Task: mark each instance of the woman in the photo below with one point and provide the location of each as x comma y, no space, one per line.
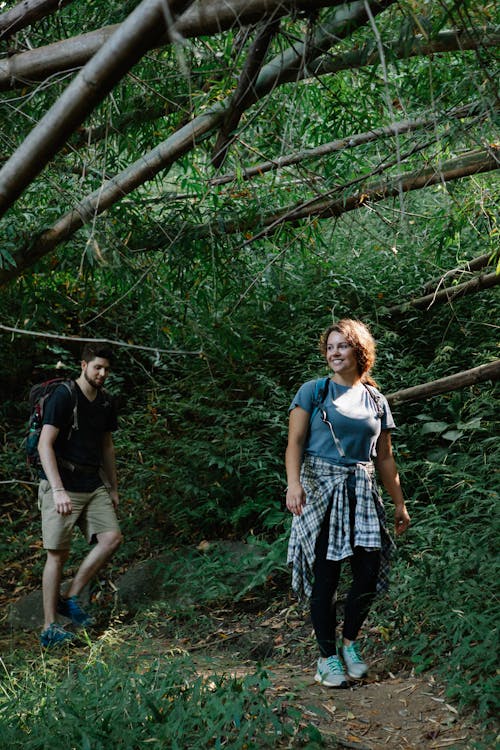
339,432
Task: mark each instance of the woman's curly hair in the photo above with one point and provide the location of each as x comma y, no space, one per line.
359,337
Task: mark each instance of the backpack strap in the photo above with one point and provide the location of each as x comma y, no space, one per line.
376,398
320,393
70,386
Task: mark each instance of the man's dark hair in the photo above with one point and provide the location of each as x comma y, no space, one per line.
93,350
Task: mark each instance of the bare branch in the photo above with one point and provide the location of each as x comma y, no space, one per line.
477,264
79,339
241,95
477,284
26,13
479,374
341,144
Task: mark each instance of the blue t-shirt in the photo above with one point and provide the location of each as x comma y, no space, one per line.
353,415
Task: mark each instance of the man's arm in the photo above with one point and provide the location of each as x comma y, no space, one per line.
47,454
109,467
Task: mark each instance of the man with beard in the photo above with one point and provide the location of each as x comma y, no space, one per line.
78,487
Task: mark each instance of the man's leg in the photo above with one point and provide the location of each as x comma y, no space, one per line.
107,543
51,582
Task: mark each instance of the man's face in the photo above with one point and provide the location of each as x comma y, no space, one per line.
96,371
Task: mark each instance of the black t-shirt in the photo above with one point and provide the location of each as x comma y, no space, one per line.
84,445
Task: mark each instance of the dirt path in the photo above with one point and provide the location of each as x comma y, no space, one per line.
389,709
397,711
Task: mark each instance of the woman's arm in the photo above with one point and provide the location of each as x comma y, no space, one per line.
298,428
388,472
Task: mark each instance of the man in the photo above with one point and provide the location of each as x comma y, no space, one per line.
78,487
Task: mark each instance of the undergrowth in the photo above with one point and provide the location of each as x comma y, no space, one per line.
116,698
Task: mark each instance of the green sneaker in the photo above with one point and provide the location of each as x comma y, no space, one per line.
356,667
54,635
330,672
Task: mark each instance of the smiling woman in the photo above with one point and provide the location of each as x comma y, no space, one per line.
335,443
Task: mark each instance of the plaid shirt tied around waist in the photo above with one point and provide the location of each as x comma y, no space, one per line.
322,482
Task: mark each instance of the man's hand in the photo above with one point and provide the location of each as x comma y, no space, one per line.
62,502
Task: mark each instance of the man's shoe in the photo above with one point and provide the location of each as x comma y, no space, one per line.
356,667
54,635
330,672
71,608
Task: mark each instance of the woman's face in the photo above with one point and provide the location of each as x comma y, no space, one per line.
341,358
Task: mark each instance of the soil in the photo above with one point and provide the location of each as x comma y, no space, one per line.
392,708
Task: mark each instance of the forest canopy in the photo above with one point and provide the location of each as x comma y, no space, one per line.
207,185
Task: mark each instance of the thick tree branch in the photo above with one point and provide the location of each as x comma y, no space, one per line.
479,374
445,41
26,13
477,284
134,37
242,94
203,18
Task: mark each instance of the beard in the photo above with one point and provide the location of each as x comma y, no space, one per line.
97,384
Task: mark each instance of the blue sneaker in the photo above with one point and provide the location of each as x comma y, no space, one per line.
356,667
71,608
330,672
54,635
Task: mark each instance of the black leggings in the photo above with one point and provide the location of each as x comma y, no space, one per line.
364,568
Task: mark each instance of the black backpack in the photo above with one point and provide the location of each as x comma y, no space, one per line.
39,394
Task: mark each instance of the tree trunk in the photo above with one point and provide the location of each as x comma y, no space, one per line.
479,374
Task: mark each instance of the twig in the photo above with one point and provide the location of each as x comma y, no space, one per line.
121,344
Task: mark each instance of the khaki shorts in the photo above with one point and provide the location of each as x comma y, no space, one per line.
93,513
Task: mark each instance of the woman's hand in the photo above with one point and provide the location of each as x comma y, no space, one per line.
295,499
401,519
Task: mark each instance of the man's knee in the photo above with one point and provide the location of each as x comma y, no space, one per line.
57,556
111,540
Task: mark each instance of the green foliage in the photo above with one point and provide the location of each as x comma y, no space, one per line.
108,700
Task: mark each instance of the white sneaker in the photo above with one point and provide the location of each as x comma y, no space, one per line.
356,667
330,672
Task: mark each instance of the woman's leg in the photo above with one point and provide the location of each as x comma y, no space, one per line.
365,566
323,606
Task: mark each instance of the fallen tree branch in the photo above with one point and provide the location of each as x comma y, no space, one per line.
477,284
477,264
479,374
